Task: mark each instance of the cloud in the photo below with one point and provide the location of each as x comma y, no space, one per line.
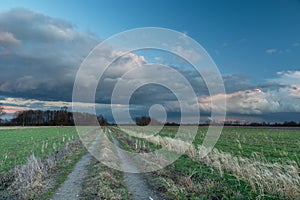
271,51
255,102
288,78
283,98
13,109
31,26
8,39
46,55
35,104
188,54
40,55
49,51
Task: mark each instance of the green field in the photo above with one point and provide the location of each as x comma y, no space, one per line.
272,144
18,144
245,163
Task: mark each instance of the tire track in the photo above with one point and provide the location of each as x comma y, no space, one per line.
135,183
72,186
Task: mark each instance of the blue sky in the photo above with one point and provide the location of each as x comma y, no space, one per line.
253,43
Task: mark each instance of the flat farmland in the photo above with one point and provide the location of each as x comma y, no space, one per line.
246,162
18,144
271,144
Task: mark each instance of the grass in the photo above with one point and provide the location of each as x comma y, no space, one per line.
246,163
64,168
18,144
272,144
104,183
35,161
39,178
187,179
260,158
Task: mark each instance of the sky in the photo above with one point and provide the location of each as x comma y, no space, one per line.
255,45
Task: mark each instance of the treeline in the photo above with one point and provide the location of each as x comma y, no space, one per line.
267,124
253,124
61,117
146,120
284,124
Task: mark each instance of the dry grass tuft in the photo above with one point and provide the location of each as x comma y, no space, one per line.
30,180
267,178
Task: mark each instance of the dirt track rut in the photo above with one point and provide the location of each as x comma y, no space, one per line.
135,183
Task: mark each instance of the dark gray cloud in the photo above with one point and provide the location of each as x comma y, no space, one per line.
40,55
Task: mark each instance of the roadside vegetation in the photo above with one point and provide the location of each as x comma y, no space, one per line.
246,163
19,144
241,175
103,182
186,179
37,160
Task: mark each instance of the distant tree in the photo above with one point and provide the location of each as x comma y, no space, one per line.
290,123
60,117
102,121
63,115
172,124
142,121
1,111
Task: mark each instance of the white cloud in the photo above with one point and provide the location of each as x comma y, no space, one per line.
288,78
38,104
8,39
256,101
243,102
271,51
188,54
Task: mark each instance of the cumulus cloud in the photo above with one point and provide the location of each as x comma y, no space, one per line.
288,78
285,98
